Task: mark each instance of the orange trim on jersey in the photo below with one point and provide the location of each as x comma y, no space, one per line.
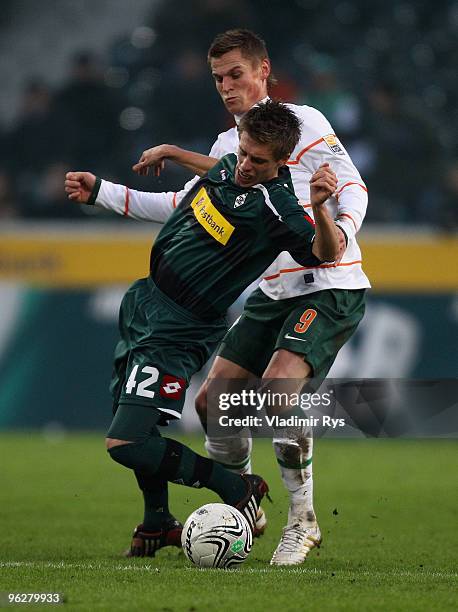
347,185
321,266
349,216
174,201
301,153
306,205
126,202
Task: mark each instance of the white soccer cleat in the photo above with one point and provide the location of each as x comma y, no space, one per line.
295,544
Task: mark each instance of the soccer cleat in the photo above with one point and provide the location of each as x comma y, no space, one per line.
146,543
295,544
257,487
261,523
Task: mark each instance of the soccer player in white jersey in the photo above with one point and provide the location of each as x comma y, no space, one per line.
322,305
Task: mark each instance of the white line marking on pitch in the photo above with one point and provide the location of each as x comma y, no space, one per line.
252,570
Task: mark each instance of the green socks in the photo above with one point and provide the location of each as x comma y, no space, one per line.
169,460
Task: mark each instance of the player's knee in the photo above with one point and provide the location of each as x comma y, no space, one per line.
286,364
120,451
128,454
112,442
228,450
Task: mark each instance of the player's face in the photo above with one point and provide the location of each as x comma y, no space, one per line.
240,82
256,162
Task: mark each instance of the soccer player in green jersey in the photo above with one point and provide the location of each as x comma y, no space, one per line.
233,222
296,321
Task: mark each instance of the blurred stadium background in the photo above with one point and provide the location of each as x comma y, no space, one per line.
88,85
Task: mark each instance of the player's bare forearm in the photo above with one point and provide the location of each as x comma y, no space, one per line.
156,156
323,185
326,243
197,162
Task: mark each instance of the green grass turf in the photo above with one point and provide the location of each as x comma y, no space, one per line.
387,509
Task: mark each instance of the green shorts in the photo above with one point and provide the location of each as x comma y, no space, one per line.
161,347
315,325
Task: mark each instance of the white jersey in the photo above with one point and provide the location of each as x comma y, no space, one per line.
285,277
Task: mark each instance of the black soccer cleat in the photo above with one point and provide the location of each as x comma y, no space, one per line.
146,543
257,487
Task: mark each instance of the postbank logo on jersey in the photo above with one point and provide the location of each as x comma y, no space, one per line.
210,218
334,144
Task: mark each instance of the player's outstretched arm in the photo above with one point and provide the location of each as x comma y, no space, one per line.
322,186
155,157
85,188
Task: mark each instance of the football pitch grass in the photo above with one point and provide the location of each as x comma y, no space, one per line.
387,510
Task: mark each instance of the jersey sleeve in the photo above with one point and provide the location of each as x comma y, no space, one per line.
140,205
289,227
146,205
319,145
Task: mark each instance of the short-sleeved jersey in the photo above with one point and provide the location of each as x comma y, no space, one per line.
222,236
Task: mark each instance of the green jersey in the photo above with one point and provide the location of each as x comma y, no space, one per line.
221,237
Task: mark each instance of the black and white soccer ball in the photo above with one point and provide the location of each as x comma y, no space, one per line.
216,535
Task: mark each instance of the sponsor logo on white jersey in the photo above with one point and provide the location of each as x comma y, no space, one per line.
334,144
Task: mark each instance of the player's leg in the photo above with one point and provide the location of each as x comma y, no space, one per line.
243,354
134,441
232,452
158,522
293,450
152,392
159,527
307,346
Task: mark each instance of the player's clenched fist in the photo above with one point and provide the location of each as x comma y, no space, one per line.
323,185
79,186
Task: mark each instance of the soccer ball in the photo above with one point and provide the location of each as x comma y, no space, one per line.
216,535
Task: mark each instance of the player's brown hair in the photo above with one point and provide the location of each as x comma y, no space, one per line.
251,46
272,123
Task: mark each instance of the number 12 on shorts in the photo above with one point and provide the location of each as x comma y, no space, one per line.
142,388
